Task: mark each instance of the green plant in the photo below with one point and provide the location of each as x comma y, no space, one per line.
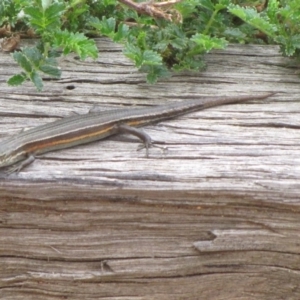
280,22
159,37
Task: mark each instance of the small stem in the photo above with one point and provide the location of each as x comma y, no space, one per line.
212,18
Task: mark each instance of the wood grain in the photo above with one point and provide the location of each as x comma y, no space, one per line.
216,217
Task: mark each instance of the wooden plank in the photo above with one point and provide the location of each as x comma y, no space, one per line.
216,217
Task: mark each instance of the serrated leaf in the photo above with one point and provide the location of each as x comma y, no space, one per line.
272,10
86,48
36,18
251,16
186,8
45,20
20,58
76,42
33,62
122,33
291,44
235,33
51,61
37,80
207,4
95,22
54,11
178,43
161,46
51,70
296,40
132,52
33,12
208,43
151,58
155,72
17,79
152,77
33,55
108,26
224,3
220,6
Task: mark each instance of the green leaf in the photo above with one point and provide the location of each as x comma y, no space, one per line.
76,42
134,53
152,77
33,62
155,72
252,17
54,11
95,22
178,43
154,45
34,14
33,55
272,10
291,44
147,57
235,34
8,12
21,59
207,43
207,4
108,26
190,63
51,70
105,26
186,8
37,80
222,4
122,33
151,58
17,79
45,20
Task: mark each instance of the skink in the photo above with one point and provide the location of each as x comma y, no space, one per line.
19,150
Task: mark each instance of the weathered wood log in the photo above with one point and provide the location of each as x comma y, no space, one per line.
216,217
